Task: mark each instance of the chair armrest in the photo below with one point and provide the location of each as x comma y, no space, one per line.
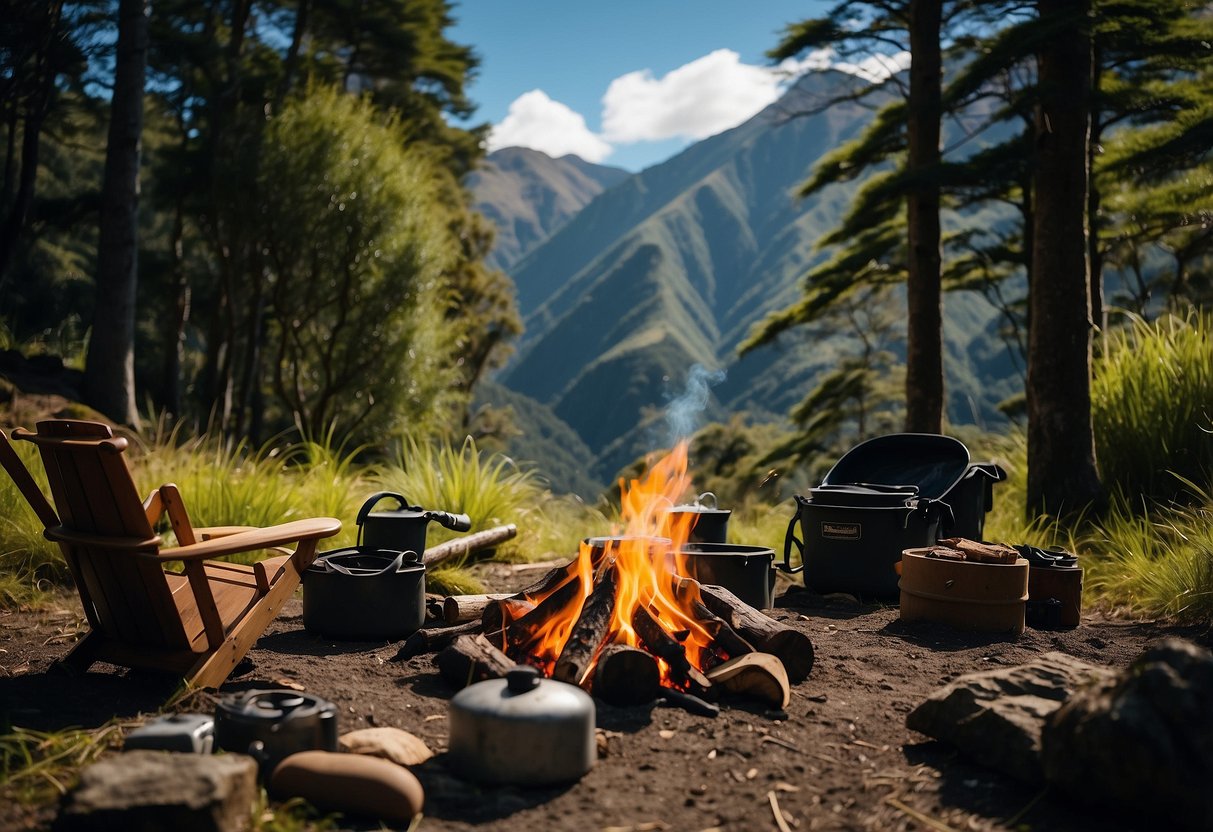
251,541
212,532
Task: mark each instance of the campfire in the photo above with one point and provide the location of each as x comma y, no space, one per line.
623,621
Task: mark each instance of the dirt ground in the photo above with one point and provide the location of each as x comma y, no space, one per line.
840,758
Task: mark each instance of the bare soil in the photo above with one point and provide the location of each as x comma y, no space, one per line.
839,758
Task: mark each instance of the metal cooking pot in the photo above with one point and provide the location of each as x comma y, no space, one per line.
403,529
710,524
746,571
523,730
270,725
365,594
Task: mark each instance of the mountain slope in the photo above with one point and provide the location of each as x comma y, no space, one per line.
674,266
528,195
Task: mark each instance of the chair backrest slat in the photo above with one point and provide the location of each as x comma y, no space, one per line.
95,493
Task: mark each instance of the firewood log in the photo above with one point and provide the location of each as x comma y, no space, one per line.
497,613
471,659
792,647
724,637
466,545
434,638
519,633
759,675
577,656
456,609
626,676
661,644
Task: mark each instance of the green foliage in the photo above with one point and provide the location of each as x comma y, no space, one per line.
356,258
1152,408
37,767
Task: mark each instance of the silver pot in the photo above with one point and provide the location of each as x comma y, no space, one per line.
523,730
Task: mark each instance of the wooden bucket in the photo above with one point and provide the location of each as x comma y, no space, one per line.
990,597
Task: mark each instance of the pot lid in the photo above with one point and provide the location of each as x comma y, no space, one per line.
932,462
700,506
525,696
864,496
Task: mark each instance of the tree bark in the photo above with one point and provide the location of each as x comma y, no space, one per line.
1062,476
924,324
109,375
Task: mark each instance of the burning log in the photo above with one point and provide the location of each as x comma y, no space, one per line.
497,613
466,545
471,659
519,632
626,676
689,703
434,638
792,647
577,656
724,637
662,645
458,609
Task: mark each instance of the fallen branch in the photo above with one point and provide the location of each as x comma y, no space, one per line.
471,659
434,638
466,545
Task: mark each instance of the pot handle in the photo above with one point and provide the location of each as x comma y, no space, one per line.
788,540
370,504
700,500
454,522
391,568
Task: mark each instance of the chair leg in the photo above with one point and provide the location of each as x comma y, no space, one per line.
83,655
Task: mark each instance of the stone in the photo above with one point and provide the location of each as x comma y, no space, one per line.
353,784
145,790
1142,740
401,747
996,716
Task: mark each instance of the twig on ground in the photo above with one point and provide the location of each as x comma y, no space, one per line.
926,820
777,812
1018,816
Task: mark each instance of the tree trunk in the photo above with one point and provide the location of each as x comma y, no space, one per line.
924,325
1062,477
109,376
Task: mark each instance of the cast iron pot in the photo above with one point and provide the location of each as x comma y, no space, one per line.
402,529
523,730
710,524
366,594
271,725
746,571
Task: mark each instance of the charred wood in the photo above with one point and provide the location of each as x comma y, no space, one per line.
434,638
725,640
792,647
471,659
519,633
626,676
689,703
588,633
661,644
498,614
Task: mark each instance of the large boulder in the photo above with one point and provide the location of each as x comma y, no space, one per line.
145,790
1141,740
997,716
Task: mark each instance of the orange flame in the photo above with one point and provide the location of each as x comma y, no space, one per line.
644,552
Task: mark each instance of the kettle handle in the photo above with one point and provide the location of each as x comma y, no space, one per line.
370,504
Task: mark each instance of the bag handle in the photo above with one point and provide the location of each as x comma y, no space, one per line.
789,539
391,568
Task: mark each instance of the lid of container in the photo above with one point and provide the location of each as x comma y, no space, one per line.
524,695
273,706
731,549
932,462
701,506
864,496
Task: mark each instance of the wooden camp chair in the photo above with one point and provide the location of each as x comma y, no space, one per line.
198,623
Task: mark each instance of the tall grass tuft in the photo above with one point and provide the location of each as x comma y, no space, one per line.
1152,408
490,488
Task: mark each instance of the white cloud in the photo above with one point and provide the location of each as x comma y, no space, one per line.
696,100
873,68
538,122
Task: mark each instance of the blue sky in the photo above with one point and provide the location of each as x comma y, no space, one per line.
626,83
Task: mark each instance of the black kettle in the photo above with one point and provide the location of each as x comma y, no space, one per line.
401,529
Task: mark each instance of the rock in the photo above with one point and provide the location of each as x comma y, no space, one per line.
353,784
162,790
997,716
1141,740
393,744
